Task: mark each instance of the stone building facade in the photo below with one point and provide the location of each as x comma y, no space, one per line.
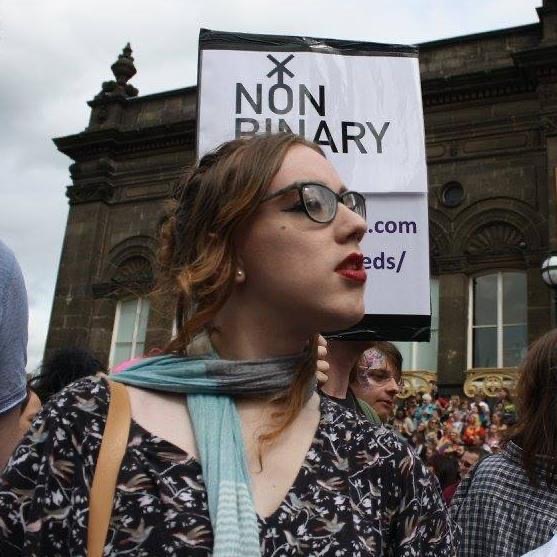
490,105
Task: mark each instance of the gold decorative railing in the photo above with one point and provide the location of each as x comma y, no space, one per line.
488,381
417,381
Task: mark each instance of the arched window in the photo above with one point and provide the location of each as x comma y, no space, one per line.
497,331
130,326
423,355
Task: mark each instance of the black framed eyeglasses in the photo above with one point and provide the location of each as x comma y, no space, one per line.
320,203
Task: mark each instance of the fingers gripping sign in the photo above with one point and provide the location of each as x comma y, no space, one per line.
322,366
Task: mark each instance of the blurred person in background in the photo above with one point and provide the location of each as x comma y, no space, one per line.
63,367
425,410
377,378
343,357
433,431
445,467
449,442
508,407
13,351
418,443
508,505
458,423
409,422
474,433
399,422
466,462
492,442
29,407
479,404
497,422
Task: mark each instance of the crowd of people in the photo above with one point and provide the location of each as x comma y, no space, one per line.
452,434
445,428
224,443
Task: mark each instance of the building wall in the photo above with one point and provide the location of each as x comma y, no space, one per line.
490,105
127,163
486,110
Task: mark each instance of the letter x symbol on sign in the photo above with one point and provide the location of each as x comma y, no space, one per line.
280,67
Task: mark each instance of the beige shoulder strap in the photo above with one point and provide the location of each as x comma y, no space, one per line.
111,453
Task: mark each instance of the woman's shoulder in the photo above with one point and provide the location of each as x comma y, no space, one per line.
359,438
500,471
68,429
377,462
50,470
75,417
86,396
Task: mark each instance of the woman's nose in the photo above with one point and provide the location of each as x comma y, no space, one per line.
356,226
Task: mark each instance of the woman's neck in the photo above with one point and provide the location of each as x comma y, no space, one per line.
241,338
245,347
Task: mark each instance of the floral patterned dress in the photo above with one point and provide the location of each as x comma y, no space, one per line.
360,491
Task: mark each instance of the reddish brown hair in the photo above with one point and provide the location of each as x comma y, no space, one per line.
198,256
536,399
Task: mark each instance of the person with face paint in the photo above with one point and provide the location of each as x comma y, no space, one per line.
377,378
342,359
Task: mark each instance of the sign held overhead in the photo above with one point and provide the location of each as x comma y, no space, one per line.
361,102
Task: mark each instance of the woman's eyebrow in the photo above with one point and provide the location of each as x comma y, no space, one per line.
341,190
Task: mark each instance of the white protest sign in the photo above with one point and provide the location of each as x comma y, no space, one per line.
364,111
362,104
396,249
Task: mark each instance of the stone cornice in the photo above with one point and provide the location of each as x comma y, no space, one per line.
99,191
442,43
112,141
536,56
464,129
182,92
478,86
529,67
471,264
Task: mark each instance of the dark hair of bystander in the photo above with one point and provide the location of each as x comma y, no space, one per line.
536,397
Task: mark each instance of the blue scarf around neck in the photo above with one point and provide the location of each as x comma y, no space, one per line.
211,385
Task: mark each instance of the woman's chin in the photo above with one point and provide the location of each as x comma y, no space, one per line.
355,316
341,321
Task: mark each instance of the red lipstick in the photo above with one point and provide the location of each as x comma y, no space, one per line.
352,268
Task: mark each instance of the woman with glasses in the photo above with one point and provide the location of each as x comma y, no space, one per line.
377,378
231,451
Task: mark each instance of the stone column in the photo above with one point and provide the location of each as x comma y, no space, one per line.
453,319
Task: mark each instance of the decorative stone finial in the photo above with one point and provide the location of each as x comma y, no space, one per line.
123,70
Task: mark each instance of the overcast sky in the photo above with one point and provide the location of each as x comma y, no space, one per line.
54,55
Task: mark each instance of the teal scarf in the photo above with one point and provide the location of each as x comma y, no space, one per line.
211,384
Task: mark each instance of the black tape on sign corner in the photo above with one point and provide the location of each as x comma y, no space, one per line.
400,328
